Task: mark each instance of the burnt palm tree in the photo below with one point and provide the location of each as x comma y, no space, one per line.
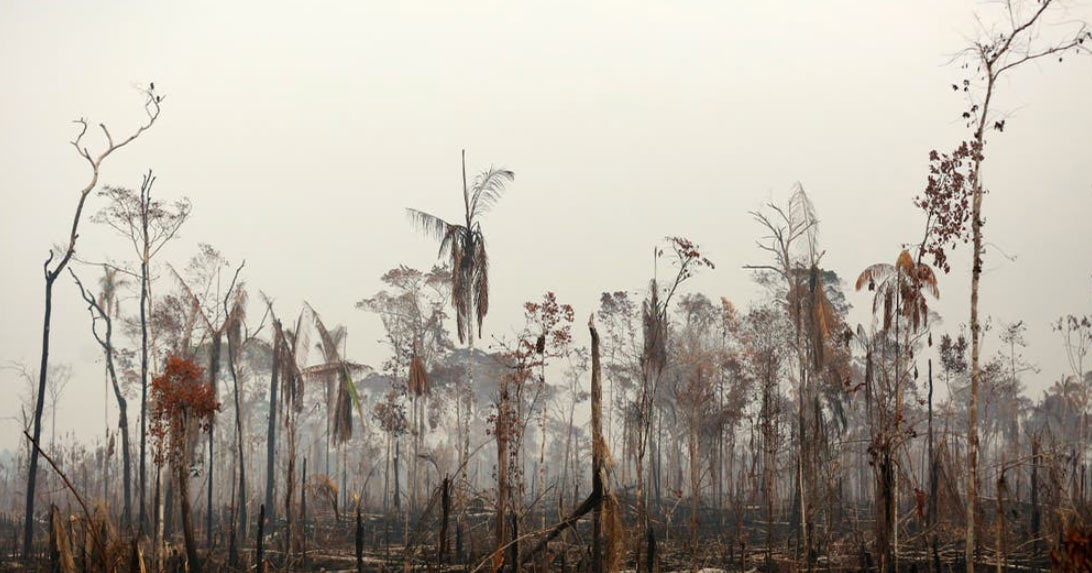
899,289
340,398
900,294
464,245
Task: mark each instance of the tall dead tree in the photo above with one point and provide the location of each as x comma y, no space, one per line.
654,360
464,245
207,267
235,314
271,429
105,340
148,224
1021,40
785,228
994,58
152,109
598,448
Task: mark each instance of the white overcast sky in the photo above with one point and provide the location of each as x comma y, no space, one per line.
301,132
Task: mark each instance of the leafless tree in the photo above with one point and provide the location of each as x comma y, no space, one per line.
148,224
152,103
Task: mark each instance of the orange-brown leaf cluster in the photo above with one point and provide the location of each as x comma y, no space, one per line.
181,400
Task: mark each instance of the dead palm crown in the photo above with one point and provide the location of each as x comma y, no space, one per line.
346,397
899,288
464,245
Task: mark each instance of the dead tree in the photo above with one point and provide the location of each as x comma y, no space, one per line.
599,497
1021,41
598,447
106,342
271,431
234,313
260,559
152,108
148,224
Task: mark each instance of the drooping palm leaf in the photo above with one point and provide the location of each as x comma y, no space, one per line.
418,378
330,368
346,390
429,224
481,281
873,275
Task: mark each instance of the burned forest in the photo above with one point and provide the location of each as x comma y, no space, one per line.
657,287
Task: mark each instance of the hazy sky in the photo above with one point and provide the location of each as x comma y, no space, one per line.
301,131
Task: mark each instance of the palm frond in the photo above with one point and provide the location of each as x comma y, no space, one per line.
905,263
887,306
329,346
873,274
460,282
429,224
802,214
452,241
488,188
927,280
481,282
328,368
343,412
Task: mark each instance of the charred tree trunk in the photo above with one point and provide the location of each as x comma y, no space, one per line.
214,370
303,512
260,558
291,544
32,475
1036,515
397,481
359,541
50,275
598,447
445,502
241,522
106,342
501,433
271,432
143,379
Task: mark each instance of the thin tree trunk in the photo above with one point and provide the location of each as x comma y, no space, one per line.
152,106
934,488
214,371
694,489
271,432
501,433
303,512
468,396
106,342
976,334
445,502
143,376
241,523
397,481
359,539
187,518
999,518
260,559
292,539
32,474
